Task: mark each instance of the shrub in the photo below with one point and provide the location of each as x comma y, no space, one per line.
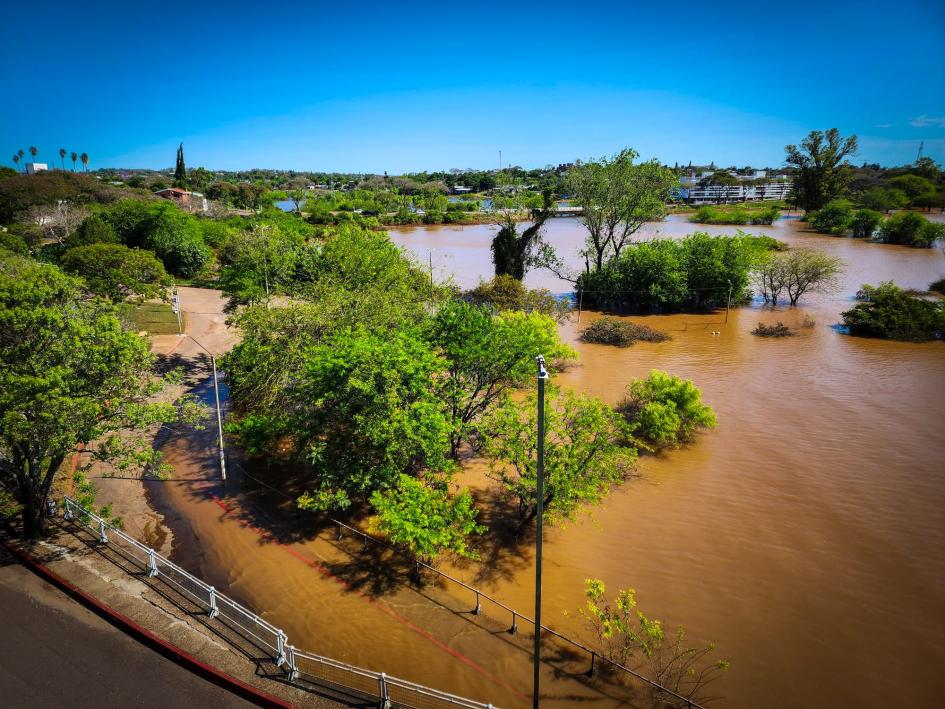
911,229
864,223
779,329
94,230
507,293
13,242
611,331
834,218
664,409
891,313
115,271
938,286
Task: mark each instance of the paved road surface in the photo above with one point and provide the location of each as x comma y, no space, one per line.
56,653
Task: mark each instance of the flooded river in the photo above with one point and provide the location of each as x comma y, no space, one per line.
805,535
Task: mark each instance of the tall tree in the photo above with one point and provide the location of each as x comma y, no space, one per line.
33,152
21,154
73,156
72,376
618,196
820,172
180,171
84,157
16,160
62,157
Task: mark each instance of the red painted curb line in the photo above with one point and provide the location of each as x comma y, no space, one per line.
146,637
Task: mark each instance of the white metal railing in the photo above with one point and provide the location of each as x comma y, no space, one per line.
298,665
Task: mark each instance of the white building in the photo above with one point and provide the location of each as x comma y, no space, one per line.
755,187
33,167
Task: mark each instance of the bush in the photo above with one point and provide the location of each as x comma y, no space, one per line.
911,229
834,218
891,313
14,243
664,409
611,331
737,214
94,230
779,329
938,286
507,293
864,223
115,271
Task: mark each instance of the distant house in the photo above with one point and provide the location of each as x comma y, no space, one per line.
33,167
188,200
461,189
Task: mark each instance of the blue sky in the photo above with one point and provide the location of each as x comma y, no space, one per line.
369,87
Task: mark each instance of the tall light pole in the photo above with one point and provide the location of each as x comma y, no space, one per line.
216,395
540,508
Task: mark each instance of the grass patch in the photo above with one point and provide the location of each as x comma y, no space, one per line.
779,329
155,318
611,331
737,214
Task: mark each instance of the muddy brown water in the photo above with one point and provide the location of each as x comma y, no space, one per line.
805,535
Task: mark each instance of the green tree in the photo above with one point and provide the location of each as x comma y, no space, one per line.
84,158
487,355
893,314
508,293
365,412
664,409
259,263
423,517
820,173
883,199
627,636
62,157
71,377
115,271
180,170
73,156
587,451
94,230
513,253
864,223
911,185
833,218
618,196
719,182
199,179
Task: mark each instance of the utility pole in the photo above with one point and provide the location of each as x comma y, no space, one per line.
216,396
539,504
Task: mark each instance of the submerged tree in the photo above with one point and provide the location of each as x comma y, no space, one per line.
513,253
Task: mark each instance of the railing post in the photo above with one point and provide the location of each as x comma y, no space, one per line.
280,649
514,628
101,531
213,611
385,698
67,507
293,672
478,609
590,672
339,532
152,563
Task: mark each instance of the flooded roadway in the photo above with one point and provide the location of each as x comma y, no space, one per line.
804,535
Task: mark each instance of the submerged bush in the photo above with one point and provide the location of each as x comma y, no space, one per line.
611,331
911,229
938,286
834,218
864,223
779,329
664,409
893,314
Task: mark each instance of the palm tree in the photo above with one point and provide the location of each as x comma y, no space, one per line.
16,160
74,156
84,157
33,151
62,157
21,154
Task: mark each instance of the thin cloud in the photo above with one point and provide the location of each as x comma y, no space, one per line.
925,121
885,125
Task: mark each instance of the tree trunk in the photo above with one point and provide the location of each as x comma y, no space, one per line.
34,516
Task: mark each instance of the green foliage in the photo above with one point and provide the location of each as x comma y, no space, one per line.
180,170
13,243
423,517
621,333
487,355
796,272
628,636
938,286
668,274
587,451
258,264
820,173
19,193
737,214
115,271
508,293
834,218
72,375
618,197
94,230
883,199
664,409
365,413
864,223
893,314
911,185
911,229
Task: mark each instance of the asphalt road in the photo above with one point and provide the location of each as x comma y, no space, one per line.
56,653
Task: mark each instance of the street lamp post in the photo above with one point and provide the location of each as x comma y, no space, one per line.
216,395
539,507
